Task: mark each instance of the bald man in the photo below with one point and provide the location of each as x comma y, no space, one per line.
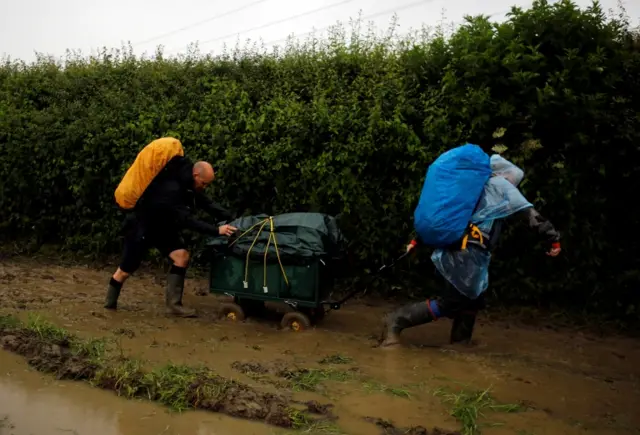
163,211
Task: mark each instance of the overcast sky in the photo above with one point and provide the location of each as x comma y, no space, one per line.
52,26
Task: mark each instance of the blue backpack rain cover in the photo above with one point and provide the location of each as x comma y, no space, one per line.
450,193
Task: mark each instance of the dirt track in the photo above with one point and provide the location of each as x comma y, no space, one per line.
564,382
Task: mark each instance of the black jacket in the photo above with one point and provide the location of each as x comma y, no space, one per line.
170,201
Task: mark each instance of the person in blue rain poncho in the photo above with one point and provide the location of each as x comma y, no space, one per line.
467,270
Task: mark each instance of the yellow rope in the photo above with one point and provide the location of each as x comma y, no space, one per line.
248,231
275,243
266,251
272,235
246,265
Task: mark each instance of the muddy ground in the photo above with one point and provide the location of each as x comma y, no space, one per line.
540,380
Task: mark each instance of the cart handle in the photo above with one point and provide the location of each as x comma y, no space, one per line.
335,305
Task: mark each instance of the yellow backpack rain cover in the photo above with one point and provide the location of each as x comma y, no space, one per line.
150,161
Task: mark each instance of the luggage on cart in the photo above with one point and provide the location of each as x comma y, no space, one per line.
289,258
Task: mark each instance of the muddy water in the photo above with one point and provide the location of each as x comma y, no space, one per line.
32,404
572,383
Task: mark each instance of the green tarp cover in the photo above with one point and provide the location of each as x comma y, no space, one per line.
299,236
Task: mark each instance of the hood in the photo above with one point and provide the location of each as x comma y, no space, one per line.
504,168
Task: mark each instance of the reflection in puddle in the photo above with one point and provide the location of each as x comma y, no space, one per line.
32,404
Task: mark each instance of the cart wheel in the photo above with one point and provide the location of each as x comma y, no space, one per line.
231,311
296,321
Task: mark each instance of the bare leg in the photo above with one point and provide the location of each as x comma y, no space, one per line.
121,276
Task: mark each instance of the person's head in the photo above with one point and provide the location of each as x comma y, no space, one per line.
504,168
203,175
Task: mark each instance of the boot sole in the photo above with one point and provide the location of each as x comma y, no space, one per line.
389,345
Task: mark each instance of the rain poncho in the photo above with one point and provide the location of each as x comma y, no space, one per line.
468,270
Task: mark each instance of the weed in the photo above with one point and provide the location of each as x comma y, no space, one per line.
305,424
92,349
171,385
468,406
46,330
123,377
377,387
322,427
299,419
309,379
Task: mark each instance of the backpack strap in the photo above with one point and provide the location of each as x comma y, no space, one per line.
474,235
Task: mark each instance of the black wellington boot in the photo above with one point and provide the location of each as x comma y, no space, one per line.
113,293
462,328
173,297
410,315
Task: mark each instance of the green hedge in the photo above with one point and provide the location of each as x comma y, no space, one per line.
349,129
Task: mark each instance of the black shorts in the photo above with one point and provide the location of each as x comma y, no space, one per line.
138,239
452,302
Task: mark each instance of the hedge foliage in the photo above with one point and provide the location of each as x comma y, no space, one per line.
348,126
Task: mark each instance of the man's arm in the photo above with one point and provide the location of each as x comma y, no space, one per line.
186,220
215,210
543,227
538,223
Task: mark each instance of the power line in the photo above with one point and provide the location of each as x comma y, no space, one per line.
366,17
293,17
199,23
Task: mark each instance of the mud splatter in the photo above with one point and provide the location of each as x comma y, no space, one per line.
388,428
336,359
5,423
296,378
124,331
318,408
250,367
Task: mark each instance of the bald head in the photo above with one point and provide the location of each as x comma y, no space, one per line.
203,175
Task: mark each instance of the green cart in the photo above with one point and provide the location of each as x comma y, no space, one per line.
288,259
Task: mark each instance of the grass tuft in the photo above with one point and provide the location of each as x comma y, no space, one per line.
309,379
46,330
377,387
122,377
93,349
302,423
468,406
